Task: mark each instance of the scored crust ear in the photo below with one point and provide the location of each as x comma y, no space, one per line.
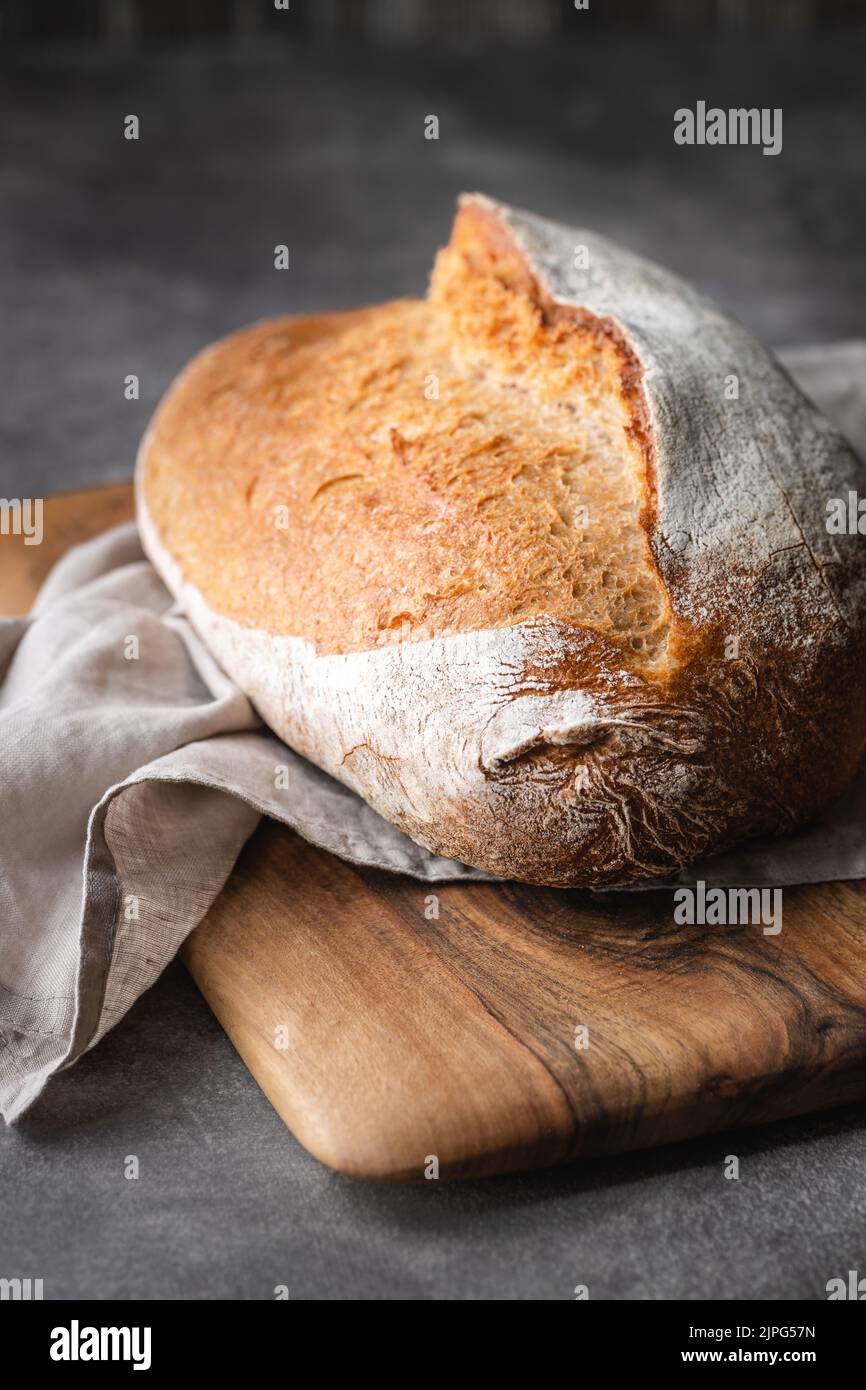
483,237
565,360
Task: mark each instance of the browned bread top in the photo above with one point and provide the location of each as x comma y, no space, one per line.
422,467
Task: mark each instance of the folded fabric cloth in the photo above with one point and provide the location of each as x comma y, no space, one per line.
132,771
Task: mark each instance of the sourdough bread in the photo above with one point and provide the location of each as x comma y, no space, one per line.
518,564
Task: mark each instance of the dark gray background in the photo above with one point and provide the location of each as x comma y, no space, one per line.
120,257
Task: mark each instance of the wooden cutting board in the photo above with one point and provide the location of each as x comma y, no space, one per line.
494,1028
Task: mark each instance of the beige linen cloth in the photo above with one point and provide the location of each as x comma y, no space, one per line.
128,786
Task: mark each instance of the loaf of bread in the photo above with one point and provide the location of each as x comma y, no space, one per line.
538,565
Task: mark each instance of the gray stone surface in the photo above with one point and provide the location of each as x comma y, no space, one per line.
118,257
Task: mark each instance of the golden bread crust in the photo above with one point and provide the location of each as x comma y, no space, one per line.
418,468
